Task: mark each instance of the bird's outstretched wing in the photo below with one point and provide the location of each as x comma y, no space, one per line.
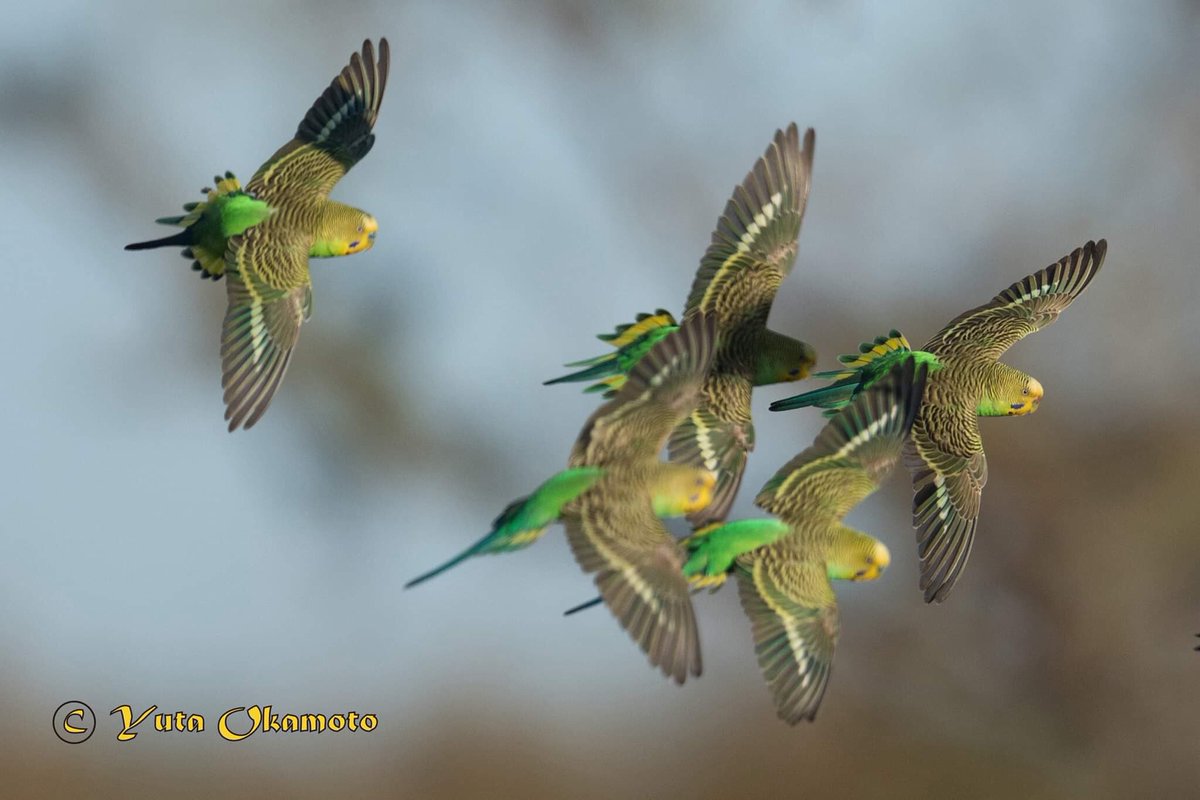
945,457
612,529
794,614
754,244
333,136
269,297
753,248
852,453
1028,305
662,388
638,567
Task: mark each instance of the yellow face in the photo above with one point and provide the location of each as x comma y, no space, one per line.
682,490
700,492
873,564
863,563
364,236
793,372
1027,402
786,361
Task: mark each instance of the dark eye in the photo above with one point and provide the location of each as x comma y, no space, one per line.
794,372
1025,390
360,228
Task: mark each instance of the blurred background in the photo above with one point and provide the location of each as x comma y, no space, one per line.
542,172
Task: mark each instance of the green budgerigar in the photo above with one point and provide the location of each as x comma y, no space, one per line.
753,248
784,567
614,493
967,381
262,236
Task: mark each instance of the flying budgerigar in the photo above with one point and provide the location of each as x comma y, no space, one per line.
752,250
262,236
614,492
967,381
784,567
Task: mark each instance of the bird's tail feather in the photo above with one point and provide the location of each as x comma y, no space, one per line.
507,534
525,520
859,371
602,367
828,397
693,586
630,332
632,341
433,573
181,239
595,601
207,257
869,352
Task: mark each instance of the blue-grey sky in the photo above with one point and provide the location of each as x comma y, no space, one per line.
542,172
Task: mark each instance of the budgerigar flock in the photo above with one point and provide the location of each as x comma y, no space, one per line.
614,492
753,249
683,385
784,566
945,452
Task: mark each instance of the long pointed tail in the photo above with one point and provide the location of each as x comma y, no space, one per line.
694,585
502,538
607,365
433,573
181,239
701,569
873,360
829,397
525,519
632,341
595,601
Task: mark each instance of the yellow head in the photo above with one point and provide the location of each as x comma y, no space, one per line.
1008,392
782,359
1027,401
680,489
344,231
858,557
363,236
